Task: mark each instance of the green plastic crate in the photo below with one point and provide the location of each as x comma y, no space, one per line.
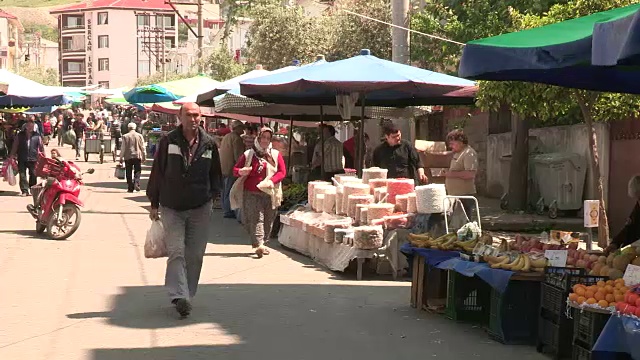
468,298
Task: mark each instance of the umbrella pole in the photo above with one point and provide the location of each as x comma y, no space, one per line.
289,164
322,174
261,122
360,143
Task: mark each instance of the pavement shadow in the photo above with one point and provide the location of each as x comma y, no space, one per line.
307,322
30,234
9,193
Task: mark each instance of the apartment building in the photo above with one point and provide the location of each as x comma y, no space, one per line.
114,42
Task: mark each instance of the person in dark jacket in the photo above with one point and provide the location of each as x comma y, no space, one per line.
184,180
26,146
630,233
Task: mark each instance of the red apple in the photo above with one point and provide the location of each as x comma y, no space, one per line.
593,258
633,299
638,303
581,264
638,311
546,247
571,261
621,306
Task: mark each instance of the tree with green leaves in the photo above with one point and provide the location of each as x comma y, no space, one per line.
159,77
280,35
40,74
542,102
221,66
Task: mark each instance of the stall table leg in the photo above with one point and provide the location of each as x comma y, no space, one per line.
360,264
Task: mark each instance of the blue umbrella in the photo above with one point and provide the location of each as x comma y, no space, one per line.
41,110
379,82
149,94
595,52
17,101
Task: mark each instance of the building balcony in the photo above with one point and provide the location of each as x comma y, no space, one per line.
72,29
71,50
69,75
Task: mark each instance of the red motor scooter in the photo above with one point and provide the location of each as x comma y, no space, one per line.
56,204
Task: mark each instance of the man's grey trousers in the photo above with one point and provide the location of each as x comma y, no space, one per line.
186,236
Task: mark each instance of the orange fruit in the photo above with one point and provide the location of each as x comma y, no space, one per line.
608,289
601,283
581,299
624,289
600,295
609,282
610,298
573,297
580,291
612,304
576,286
603,303
619,298
619,285
591,301
593,288
589,294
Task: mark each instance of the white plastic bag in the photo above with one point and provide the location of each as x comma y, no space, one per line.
154,245
120,172
10,176
469,231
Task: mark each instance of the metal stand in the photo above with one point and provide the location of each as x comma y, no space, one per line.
452,204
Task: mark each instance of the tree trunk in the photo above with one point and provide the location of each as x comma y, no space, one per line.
519,168
603,225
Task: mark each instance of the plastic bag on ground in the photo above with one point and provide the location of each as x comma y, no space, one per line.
154,245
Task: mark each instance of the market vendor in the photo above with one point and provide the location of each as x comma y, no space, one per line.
398,156
461,176
333,155
631,231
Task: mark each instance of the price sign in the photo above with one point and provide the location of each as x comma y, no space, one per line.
591,213
632,275
557,257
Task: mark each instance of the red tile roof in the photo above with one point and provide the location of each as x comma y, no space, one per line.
6,15
114,4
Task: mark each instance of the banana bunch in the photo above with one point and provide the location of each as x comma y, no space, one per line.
467,246
420,240
446,242
521,263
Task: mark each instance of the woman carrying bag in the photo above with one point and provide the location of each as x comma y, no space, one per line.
258,190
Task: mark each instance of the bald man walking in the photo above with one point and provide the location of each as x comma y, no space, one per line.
184,180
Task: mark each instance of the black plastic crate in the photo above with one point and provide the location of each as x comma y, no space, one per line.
468,298
557,276
582,353
553,299
587,326
554,337
513,318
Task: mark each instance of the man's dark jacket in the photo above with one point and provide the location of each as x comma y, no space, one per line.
179,185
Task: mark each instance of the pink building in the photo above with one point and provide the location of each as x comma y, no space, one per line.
114,42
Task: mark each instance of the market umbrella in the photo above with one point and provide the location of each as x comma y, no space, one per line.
17,101
592,52
377,81
149,94
206,98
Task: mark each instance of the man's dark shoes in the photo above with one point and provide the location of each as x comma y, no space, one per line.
183,307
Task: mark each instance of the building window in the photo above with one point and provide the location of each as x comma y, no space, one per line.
74,67
103,41
73,43
71,22
143,20
104,84
166,21
103,18
103,64
169,43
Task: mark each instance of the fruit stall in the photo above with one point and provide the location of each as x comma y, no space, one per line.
545,291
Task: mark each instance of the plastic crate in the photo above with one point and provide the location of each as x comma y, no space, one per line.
587,326
582,353
554,338
513,317
554,294
468,298
46,167
553,299
557,276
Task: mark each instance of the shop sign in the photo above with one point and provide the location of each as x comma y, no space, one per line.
89,56
557,258
632,275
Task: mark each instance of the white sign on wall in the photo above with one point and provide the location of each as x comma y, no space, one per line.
591,213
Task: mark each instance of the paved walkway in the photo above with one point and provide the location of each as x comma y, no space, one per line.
95,297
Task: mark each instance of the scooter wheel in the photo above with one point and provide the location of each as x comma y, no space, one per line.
40,228
60,230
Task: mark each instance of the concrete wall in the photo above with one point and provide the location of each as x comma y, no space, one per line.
573,138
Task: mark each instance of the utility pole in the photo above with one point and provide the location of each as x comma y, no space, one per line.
400,37
200,35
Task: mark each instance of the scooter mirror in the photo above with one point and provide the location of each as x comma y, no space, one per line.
91,171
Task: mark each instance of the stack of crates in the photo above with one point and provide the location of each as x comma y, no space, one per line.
555,326
513,318
468,298
587,326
